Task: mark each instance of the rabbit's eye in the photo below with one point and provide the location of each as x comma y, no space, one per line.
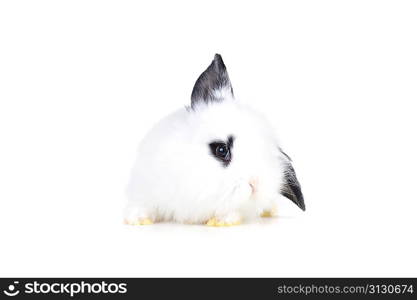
222,150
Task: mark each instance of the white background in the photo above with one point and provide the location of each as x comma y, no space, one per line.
82,81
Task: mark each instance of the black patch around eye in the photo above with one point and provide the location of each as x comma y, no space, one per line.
222,151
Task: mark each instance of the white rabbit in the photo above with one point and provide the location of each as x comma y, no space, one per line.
216,162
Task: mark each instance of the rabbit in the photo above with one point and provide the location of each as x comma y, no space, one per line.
216,162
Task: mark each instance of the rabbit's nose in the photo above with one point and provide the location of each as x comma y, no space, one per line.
254,182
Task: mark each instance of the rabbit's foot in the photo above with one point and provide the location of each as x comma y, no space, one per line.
230,220
141,221
137,215
269,213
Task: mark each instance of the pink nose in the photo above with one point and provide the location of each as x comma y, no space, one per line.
253,182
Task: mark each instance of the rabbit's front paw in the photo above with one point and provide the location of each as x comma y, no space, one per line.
136,215
142,221
229,220
269,213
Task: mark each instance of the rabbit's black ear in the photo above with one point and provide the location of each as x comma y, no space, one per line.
213,84
292,188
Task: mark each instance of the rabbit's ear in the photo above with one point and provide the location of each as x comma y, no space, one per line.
213,84
292,188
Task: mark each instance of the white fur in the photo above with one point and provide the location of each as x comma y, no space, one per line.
175,177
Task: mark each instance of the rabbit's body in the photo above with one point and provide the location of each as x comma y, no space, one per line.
183,173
